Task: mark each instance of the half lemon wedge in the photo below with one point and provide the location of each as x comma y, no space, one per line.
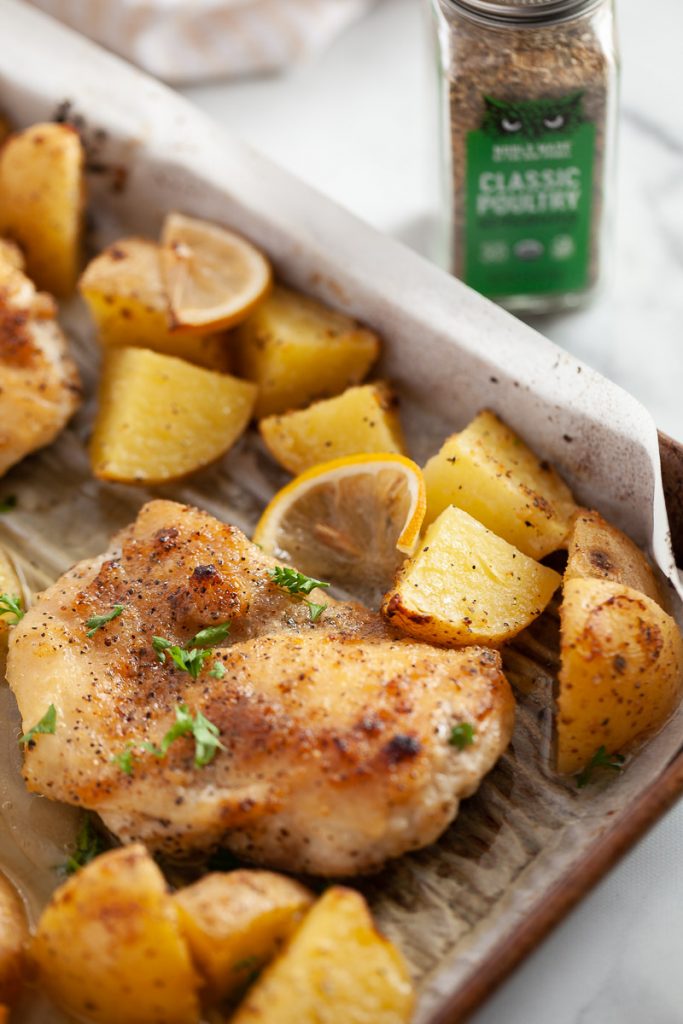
213,277
350,522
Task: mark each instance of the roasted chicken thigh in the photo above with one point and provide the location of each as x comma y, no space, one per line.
336,735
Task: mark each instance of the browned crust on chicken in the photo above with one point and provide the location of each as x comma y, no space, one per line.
39,384
336,733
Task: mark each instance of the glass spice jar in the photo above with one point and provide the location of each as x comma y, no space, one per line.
528,94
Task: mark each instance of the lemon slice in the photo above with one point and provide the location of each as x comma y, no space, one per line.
213,278
349,522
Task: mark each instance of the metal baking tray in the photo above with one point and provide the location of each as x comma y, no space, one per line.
527,846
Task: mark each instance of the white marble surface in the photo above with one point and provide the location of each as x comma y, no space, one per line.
355,124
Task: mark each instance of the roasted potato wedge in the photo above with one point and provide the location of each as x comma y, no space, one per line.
337,969
108,946
362,419
125,293
622,669
488,471
42,189
235,923
13,938
597,550
297,350
465,585
161,418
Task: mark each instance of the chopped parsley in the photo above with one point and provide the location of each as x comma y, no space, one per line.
191,662
11,605
218,670
600,759
89,844
8,503
187,661
211,636
205,733
192,656
462,735
124,760
47,725
206,741
315,610
97,621
161,646
297,583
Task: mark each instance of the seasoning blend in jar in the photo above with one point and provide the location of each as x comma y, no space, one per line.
528,94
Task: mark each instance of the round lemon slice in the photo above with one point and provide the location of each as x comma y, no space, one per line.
349,522
213,277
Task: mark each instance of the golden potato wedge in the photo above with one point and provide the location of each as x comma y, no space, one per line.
597,550
235,923
108,946
465,585
337,969
488,471
297,350
124,290
622,669
13,938
42,198
161,418
361,419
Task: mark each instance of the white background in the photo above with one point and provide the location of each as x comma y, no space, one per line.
357,123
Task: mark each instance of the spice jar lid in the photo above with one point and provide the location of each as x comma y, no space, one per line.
524,11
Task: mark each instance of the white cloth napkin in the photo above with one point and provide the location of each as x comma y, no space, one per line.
190,40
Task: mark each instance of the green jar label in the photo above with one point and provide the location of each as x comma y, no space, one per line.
529,198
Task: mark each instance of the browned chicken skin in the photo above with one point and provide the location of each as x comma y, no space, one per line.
39,382
336,733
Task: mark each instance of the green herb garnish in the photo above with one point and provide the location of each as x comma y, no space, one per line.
89,844
191,662
11,605
124,760
47,725
97,621
205,733
295,582
211,636
218,670
462,735
600,759
206,741
8,503
186,724
192,656
161,646
315,610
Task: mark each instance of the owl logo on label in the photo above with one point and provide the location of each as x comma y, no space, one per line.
533,119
